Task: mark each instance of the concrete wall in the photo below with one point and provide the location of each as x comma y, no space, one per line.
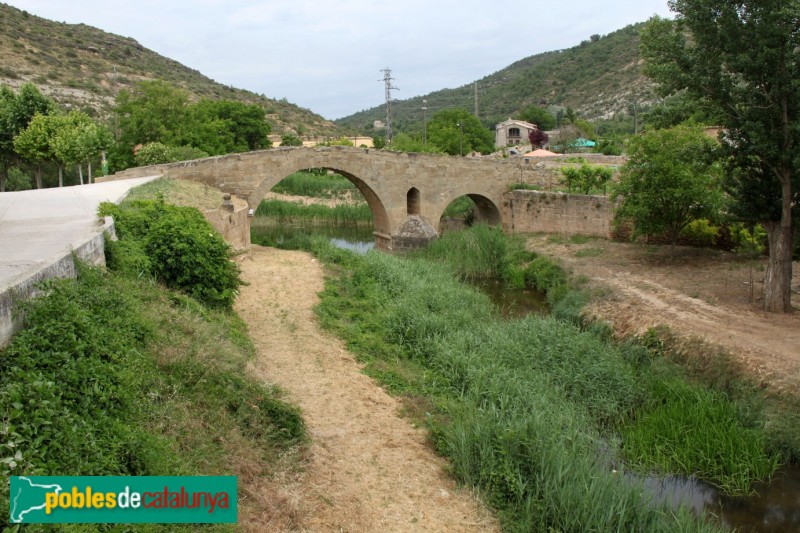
92,251
555,212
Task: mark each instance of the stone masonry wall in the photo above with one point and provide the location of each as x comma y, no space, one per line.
555,212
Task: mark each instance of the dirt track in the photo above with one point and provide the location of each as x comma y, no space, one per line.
696,292
367,469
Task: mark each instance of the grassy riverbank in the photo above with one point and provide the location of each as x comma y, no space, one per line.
542,415
282,211
318,185
114,374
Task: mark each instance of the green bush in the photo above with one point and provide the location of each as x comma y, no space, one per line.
177,246
748,241
154,153
188,254
701,232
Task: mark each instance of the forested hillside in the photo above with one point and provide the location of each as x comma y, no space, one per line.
597,78
84,68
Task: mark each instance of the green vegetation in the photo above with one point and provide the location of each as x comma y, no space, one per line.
100,64
536,412
156,153
288,211
741,61
461,207
155,111
458,132
587,179
175,245
596,78
113,374
672,178
318,184
289,139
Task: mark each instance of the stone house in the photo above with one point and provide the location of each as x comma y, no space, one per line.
512,132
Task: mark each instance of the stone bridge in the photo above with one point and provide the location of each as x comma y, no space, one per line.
406,192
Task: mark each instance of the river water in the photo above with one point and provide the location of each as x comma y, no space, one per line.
774,508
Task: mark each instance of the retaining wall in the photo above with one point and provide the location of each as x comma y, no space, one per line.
556,212
91,250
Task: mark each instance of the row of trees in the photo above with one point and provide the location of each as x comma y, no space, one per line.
157,112
154,123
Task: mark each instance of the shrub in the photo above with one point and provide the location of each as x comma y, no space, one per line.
291,140
154,153
188,254
701,232
177,246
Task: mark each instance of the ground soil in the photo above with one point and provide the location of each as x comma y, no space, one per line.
698,293
366,468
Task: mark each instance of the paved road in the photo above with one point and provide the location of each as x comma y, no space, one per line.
40,224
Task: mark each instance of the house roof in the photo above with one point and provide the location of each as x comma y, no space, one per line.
513,122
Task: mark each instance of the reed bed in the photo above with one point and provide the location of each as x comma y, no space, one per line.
318,185
290,211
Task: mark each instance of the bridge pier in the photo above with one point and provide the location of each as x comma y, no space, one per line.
416,232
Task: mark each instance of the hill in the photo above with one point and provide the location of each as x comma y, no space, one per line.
598,78
84,67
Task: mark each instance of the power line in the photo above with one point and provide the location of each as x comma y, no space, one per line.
387,82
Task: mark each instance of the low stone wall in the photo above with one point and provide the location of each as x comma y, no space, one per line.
92,251
556,212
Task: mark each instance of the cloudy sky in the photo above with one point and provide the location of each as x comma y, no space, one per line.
326,55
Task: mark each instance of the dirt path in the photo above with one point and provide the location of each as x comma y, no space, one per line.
367,469
696,292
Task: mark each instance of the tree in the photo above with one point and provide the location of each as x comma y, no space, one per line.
16,112
457,132
537,137
539,116
586,178
34,143
226,126
153,111
671,178
403,142
291,140
742,57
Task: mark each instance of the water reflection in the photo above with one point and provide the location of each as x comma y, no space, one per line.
775,507
513,303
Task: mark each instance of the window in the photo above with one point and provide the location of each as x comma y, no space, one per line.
412,201
513,132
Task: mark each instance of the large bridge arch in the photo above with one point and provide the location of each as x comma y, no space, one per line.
379,216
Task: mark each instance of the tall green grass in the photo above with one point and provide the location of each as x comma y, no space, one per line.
538,412
317,185
288,211
689,429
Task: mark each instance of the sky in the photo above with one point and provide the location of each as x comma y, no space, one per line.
327,55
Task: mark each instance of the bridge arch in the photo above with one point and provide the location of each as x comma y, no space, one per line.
486,210
380,217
